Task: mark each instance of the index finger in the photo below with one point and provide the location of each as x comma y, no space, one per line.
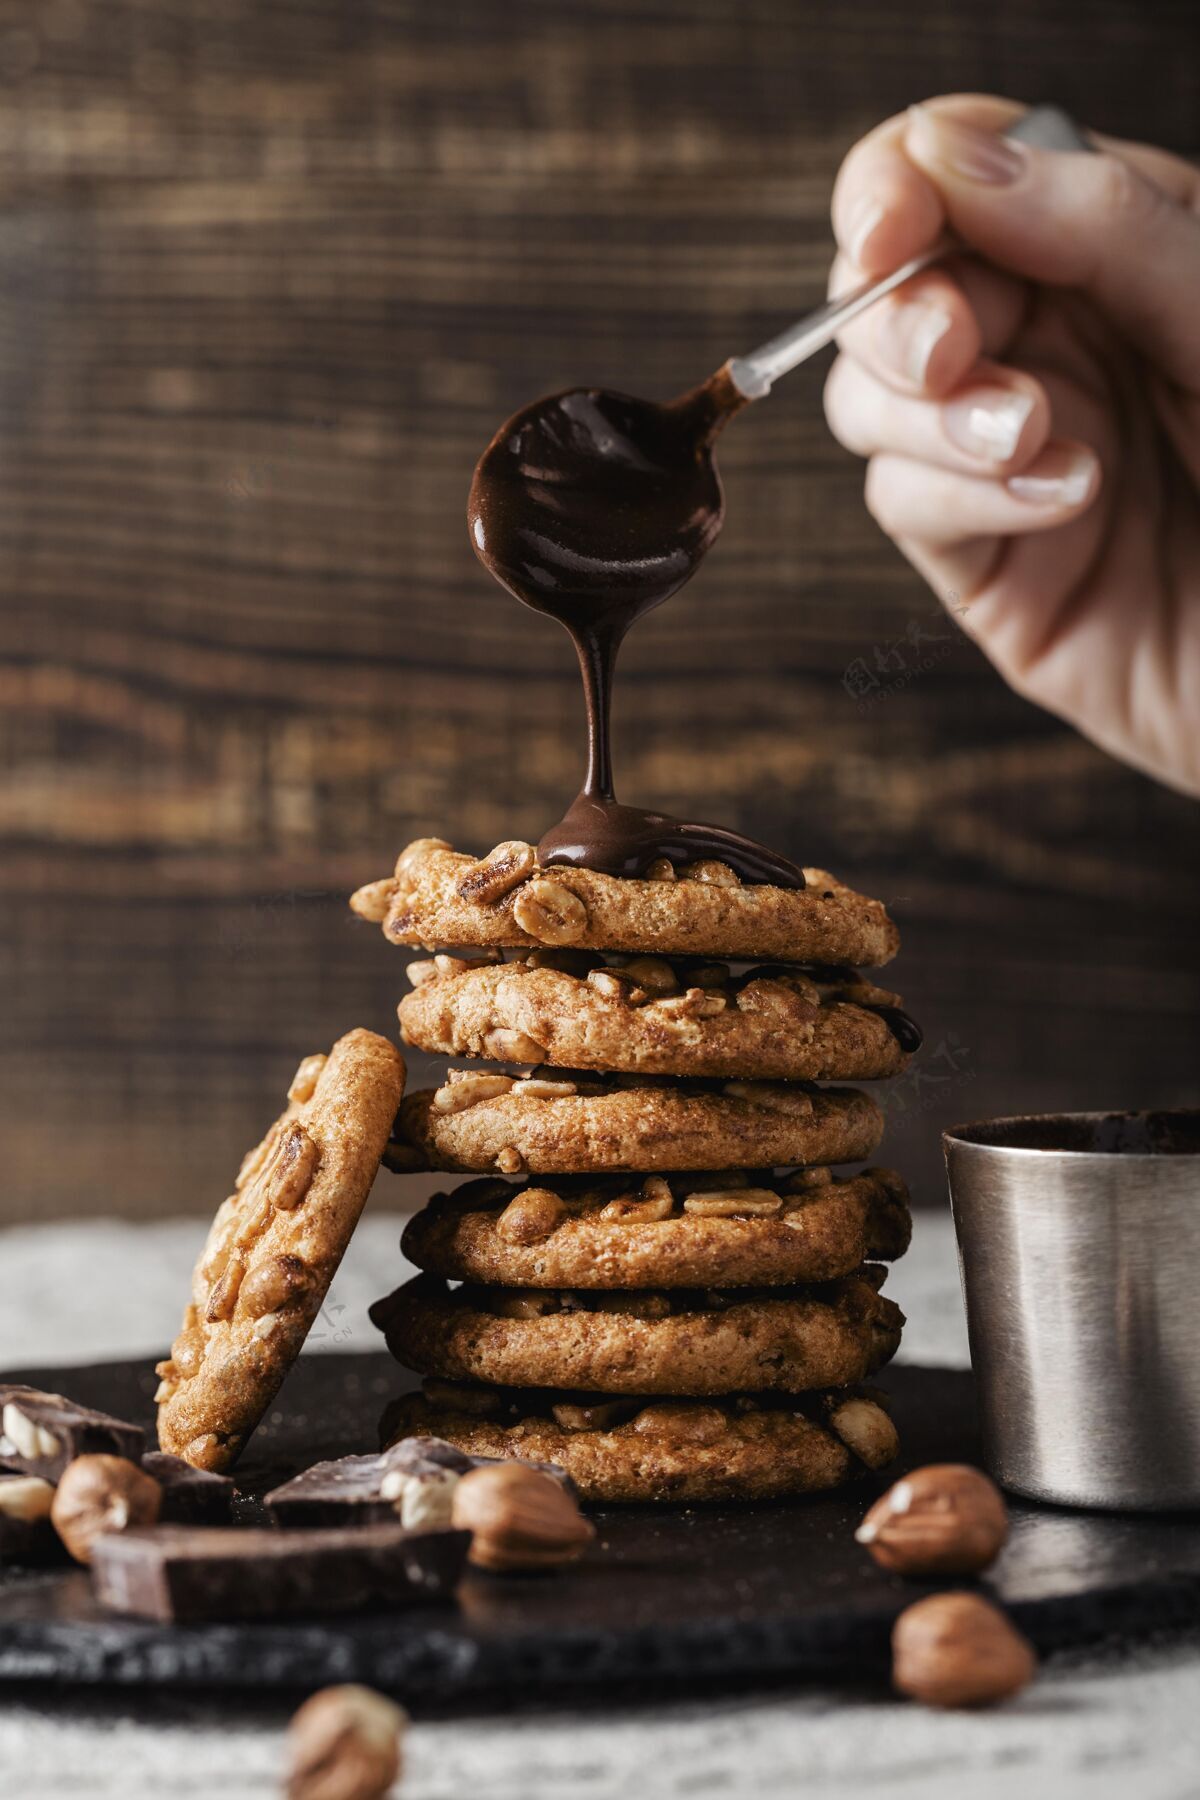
885,209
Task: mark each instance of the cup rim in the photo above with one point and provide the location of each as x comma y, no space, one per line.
982,1134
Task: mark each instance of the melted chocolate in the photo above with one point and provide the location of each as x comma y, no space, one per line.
595,507
903,1028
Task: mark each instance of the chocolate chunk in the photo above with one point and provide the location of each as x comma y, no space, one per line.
41,1433
411,1481
190,1496
183,1572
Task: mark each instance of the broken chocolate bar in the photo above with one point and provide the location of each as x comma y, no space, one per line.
189,1496
413,1481
184,1573
41,1433
25,1529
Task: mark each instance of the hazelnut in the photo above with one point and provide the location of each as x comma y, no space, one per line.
945,1519
99,1494
344,1744
959,1650
519,1519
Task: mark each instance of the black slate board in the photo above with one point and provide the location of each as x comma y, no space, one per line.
743,1594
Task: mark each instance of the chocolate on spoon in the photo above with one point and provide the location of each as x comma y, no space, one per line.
594,507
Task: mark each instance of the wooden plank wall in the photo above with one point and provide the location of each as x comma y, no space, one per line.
271,271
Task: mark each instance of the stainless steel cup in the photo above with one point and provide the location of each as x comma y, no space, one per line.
1079,1245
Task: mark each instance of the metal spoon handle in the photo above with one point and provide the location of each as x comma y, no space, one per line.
1045,127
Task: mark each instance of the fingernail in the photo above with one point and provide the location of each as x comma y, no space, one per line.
909,333
864,217
988,421
1062,476
961,150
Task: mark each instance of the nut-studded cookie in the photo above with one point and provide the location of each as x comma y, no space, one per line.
274,1247
727,1229
560,1123
437,896
738,1448
575,1009
677,1341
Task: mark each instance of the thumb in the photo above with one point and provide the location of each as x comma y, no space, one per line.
1077,220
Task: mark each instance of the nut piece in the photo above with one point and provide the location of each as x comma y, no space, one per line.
531,1217
25,1497
27,1437
550,913
539,1088
500,871
944,1519
753,1203
661,869
272,1284
99,1494
304,1081
513,1046
865,1429
718,874
374,901
959,1650
771,1096
465,1089
344,1744
422,1498
520,1519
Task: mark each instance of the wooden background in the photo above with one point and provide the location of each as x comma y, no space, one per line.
271,272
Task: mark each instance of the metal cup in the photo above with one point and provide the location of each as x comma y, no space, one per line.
1079,1246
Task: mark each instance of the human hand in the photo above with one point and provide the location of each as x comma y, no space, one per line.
1032,413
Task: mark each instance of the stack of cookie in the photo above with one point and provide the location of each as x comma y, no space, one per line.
661,1285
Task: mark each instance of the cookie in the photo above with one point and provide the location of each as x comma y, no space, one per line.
572,1009
438,896
273,1249
738,1448
730,1229
683,1341
483,1122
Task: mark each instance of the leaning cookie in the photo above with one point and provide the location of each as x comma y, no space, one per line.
480,1123
684,1341
571,1009
437,896
739,1448
727,1229
274,1247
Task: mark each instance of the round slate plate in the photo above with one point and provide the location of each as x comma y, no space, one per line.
671,1594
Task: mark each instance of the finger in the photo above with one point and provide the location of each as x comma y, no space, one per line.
885,210
928,335
922,339
932,506
995,424
1086,221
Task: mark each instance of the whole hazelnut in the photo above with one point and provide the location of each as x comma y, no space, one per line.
944,1519
519,1519
344,1744
99,1494
959,1650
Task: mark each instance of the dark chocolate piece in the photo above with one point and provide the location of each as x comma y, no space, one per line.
595,507
190,1496
412,1481
185,1572
41,1433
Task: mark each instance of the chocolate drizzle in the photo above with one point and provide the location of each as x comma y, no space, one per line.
903,1028
595,507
